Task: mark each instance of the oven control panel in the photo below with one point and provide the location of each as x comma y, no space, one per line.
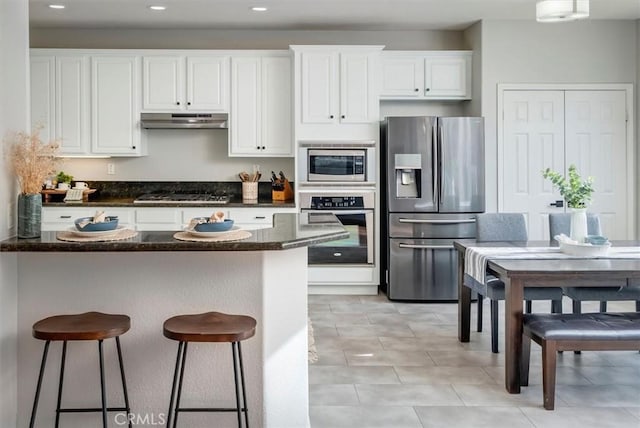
337,202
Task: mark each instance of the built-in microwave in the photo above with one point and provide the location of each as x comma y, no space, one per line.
337,162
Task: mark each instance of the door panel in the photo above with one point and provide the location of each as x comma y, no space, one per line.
533,140
596,144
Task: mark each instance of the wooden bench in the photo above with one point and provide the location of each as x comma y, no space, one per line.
574,332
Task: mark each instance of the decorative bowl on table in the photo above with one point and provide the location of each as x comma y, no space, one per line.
585,250
86,224
205,225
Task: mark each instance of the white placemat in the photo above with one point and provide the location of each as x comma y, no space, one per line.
233,235
475,258
117,235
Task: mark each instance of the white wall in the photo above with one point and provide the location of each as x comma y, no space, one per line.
238,39
14,43
202,155
529,52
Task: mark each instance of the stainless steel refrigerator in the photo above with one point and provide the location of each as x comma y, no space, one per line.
433,184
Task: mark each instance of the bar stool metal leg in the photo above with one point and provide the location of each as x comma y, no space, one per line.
37,397
124,381
62,361
235,378
184,357
103,391
244,389
173,384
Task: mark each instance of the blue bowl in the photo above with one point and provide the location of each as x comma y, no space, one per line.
596,240
214,227
110,223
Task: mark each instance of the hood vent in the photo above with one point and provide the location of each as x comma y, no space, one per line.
184,120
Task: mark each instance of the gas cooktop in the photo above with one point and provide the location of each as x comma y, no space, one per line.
181,198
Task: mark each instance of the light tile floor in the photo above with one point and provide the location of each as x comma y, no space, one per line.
385,364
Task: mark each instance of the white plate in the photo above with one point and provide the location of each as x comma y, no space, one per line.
210,234
96,234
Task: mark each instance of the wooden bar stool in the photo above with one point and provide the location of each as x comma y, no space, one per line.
209,327
87,326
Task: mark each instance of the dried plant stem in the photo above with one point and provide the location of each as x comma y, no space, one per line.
31,160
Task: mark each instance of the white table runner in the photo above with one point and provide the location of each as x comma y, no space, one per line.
475,258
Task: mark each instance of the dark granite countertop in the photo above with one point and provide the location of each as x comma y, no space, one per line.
128,202
289,231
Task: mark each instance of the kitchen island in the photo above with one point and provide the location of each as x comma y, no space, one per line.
152,277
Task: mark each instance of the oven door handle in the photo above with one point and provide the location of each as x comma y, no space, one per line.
337,212
427,247
415,220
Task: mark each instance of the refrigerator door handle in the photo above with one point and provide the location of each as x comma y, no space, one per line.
414,220
427,247
438,142
435,167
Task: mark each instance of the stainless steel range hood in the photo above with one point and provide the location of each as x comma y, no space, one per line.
184,120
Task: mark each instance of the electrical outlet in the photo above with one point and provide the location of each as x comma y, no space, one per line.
111,168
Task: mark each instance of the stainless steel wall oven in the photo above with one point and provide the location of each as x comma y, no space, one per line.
355,210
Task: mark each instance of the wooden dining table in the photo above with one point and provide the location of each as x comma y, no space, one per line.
519,273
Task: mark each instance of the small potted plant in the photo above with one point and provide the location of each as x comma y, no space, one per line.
64,178
577,193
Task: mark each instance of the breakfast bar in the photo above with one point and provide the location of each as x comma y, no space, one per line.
151,277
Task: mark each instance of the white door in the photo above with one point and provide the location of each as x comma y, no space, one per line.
207,83
446,77
319,87
245,115
556,129
402,76
595,138
533,139
355,88
163,83
276,106
72,104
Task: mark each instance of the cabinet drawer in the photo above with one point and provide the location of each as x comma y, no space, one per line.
256,217
158,215
189,213
68,215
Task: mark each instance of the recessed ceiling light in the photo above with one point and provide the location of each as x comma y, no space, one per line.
56,6
259,9
157,7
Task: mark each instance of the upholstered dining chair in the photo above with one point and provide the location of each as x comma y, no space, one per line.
505,227
561,223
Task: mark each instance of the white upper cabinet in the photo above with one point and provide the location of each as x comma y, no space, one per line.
60,101
336,91
438,75
179,83
115,105
260,106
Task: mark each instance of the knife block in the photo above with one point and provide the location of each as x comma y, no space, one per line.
282,195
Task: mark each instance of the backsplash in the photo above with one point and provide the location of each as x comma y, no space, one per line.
129,189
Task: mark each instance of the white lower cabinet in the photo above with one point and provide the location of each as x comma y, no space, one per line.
158,219
256,218
63,218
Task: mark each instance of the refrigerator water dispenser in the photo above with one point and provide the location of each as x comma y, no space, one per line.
408,168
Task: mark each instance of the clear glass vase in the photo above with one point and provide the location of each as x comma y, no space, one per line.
29,215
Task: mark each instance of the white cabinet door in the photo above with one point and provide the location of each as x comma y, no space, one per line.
255,218
163,83
208,83
246,92
260,107
115,110
402,76
72,104
319,87
356,88
447,77
277,115
158,219
43,96
63,218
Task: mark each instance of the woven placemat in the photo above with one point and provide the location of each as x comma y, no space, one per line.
233,235
117,235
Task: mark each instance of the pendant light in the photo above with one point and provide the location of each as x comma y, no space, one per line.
561,10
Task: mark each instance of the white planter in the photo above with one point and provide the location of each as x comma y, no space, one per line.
578,224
